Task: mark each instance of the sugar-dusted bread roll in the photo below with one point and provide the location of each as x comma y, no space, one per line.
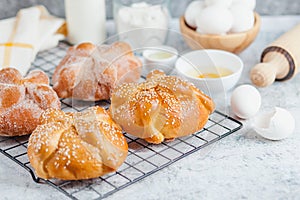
73,146
162,107
89,72
22,100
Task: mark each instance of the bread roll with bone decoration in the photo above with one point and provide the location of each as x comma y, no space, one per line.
73,146
89,72
22,100
162,107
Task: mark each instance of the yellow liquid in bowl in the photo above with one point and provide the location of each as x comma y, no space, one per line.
221,72
160,55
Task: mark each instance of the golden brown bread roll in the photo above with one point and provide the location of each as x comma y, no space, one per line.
90,72
73,146
22,100
162,107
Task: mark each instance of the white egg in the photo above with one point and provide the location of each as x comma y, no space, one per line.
246,3
214,20
191,12
276,125
223,3
245,101
243,18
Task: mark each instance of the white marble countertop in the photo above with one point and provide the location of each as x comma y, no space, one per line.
240,166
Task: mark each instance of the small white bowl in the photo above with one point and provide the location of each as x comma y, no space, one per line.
161,57
191,64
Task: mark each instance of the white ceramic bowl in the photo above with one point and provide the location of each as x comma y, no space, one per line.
161,57
191,64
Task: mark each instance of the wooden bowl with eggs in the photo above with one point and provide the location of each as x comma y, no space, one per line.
232,42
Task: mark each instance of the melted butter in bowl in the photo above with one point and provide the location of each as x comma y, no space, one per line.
220,72
161,57
212,71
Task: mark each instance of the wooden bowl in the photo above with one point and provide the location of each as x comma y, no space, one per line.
232,42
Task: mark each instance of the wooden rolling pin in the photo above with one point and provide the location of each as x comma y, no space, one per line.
279,61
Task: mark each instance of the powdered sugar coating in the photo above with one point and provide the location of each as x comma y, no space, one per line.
22,100
90,72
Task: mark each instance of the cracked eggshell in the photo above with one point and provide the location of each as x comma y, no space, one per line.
275,125
245,101
245,3
243,19
223,3
192,11
214,20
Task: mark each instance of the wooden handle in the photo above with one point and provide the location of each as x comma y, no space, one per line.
275,66
263,74
279,60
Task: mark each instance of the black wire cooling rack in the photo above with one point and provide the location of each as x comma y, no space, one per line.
143,159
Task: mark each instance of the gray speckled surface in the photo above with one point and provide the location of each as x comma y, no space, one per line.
9,8
240,166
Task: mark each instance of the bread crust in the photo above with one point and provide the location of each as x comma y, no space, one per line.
162,107
22,100
75,146
89,72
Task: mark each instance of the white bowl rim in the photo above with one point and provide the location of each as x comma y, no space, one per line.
162,48
240,67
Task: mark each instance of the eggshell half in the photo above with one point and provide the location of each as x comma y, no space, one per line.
276,125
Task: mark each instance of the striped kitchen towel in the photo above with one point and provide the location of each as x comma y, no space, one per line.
32,30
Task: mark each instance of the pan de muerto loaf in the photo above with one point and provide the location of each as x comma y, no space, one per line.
73,146
162,107
22,100
89,72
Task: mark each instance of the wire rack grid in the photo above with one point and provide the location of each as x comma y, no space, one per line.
143,159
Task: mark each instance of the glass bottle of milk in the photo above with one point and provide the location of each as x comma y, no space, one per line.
142,23
86,21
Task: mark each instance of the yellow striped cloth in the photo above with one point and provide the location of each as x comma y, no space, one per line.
23,36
